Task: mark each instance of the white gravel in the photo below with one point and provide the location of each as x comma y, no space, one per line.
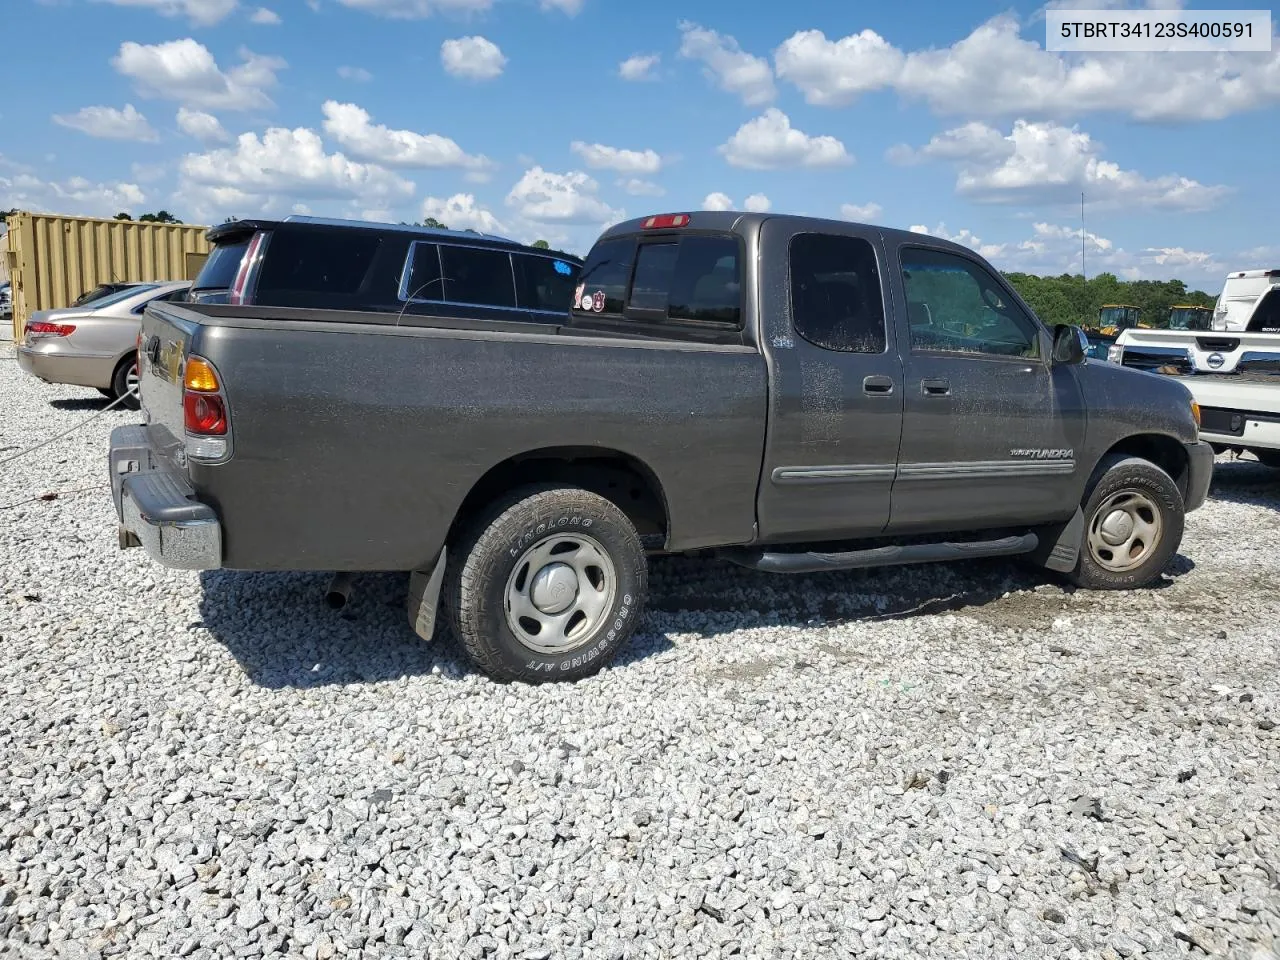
218,765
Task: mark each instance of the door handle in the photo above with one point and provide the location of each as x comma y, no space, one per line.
935,387
877,386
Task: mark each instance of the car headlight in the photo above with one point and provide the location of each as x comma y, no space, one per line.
1115,353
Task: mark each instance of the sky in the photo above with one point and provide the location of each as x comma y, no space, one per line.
551,119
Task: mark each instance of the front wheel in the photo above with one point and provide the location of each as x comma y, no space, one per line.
547,585
1133,523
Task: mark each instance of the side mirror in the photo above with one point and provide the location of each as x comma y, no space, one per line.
1070,345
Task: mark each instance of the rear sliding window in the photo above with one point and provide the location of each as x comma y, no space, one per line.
690,278
315,268
477,276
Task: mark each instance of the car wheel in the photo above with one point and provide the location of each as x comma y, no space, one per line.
547,584
1268,458
125,379
1133,523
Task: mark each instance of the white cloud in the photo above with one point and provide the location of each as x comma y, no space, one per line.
461,212
265,17
204,127
357,74
861,212
472,58
639,66
994,72
543,196
769,142
109,123
756,203
570,7
185,71
641,188
1047,163
717,201
600,157
288,163
837,72
417,9
75,195
202,13
148,172
1054,249
353,130
727,64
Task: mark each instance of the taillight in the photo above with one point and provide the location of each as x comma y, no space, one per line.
236,294
665,220
35,329
204,411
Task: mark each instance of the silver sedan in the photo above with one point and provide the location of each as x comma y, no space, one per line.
93,345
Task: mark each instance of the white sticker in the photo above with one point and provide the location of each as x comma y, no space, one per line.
585,302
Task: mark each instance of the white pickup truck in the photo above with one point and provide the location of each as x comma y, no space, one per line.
1233,376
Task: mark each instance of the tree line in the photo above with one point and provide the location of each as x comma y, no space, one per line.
1069,298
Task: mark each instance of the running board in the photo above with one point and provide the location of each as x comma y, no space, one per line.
879,556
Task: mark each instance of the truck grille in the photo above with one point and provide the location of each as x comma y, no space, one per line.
1174,363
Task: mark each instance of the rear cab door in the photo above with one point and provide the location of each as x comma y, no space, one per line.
835,378
991,428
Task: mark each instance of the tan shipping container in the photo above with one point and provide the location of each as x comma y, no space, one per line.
53,259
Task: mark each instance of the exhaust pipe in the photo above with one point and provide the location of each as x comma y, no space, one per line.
339,590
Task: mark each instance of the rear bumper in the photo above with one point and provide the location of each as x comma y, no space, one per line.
54,367
158,509
1199,474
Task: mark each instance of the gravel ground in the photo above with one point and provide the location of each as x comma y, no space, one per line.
940,761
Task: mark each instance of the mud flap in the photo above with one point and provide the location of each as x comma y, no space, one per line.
1060,544
424,596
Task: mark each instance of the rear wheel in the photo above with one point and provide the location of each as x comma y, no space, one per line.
124,380
1133,523
548,584
1268,458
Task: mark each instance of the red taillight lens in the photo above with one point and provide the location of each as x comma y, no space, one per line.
667,220
236,294
203,413
39,328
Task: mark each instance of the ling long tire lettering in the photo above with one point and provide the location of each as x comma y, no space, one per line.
548,584
1133,523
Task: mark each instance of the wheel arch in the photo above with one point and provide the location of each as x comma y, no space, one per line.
1166,452
620,477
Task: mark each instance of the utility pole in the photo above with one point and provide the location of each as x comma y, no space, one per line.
1083,237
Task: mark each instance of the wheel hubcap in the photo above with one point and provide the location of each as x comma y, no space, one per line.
131,378
559,592
1124,530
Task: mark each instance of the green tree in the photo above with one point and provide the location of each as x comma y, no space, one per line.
434,224
122,216
6,214
542,245
160,216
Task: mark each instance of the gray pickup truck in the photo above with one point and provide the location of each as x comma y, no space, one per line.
786,393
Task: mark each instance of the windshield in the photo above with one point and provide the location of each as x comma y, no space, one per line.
1121,318
98,292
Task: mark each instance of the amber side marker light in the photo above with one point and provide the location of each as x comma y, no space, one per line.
1195,412
199,375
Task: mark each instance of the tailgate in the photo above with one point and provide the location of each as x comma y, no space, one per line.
166,335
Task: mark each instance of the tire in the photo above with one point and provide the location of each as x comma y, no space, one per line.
520,612
126,370
1268,458
1130,494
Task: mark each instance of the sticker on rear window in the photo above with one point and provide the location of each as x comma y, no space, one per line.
563,268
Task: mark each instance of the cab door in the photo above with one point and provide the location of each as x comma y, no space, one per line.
835,384
991,428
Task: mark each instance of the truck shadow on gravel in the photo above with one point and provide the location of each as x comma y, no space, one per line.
282,634
80,403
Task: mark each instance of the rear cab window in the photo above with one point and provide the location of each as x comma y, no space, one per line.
315,268
218,274
672,284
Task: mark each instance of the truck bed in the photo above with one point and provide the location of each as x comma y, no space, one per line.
387,426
